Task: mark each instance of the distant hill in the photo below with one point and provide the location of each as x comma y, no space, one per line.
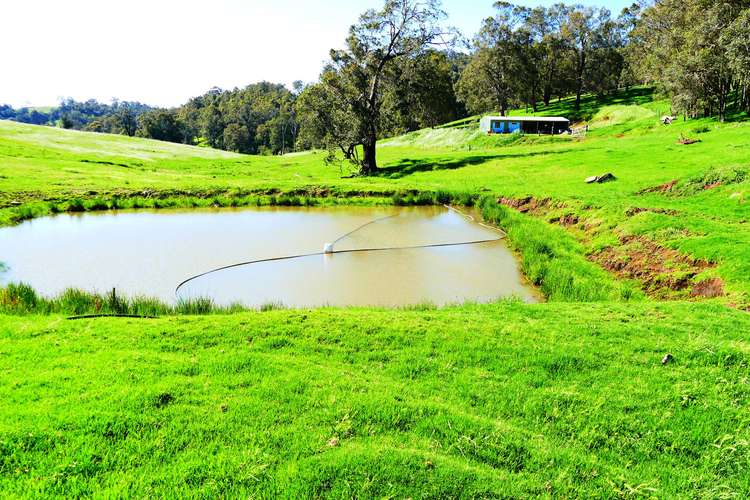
70,114
70,144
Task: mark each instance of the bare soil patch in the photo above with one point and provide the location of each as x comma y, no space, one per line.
529,204
665,273
709,288
639,210
661,188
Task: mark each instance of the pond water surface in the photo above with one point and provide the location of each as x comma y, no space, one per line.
149,253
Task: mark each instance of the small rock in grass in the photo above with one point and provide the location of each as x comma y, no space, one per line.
668,358
667,120
601,178
333,442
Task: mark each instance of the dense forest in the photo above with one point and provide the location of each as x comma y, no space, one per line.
695,51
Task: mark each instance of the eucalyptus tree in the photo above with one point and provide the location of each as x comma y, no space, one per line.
579,31
696,50
126,118
493,77
607,65
160,124
424,96
544,25
736,38
347,101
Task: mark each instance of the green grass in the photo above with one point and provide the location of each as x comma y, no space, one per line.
554,262
45,170
21,299
497,400
563,399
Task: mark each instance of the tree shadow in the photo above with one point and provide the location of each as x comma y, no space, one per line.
409,166
736,115
591,104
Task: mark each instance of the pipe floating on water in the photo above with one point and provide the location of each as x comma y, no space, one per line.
352,251
328,248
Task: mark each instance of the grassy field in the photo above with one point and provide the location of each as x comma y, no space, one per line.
566,398
496,400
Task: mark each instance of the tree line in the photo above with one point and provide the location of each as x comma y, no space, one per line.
402,69
696,51
258,119
527,56
72,114
520,56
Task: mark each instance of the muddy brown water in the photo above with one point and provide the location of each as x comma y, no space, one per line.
149,253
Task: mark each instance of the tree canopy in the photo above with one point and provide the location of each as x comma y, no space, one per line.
697,51
344,110
522,56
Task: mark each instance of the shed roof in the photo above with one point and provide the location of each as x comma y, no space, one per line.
528,118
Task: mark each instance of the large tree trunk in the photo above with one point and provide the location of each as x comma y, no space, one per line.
580,72
369,161
725,88
548,80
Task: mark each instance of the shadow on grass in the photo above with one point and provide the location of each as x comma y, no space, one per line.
592,103
409,166
736,116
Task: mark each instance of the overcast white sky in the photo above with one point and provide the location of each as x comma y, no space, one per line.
161,52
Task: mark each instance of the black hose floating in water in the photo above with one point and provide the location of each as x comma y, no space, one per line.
356,250
362,227
329,248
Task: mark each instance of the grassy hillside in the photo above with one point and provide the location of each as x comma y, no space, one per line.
688,200
567,398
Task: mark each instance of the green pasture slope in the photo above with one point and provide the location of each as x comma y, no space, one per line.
562,399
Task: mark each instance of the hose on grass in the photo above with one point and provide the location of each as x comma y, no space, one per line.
93,316
331,251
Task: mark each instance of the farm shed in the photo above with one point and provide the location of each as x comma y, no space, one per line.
525,124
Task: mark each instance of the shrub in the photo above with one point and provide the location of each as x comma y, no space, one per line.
76,302
19,297
199,305
76,205
98,204
116,304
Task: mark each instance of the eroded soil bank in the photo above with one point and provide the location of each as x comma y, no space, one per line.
662,272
